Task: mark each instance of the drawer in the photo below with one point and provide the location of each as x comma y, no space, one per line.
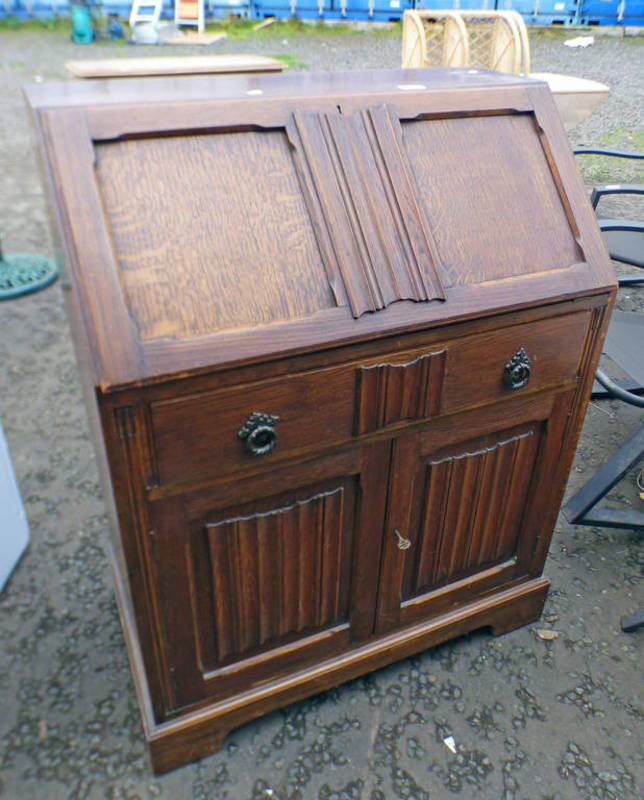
198,435
475,369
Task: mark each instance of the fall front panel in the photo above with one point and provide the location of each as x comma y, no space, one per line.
240,253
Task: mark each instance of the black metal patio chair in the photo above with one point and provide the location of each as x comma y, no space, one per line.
625,346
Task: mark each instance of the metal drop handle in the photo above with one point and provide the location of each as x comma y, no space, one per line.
262,440
259,433
516,374
401,542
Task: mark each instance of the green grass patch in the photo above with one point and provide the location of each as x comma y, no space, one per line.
601,169
631,139
55,24
557,31
235,28
291,61
243,29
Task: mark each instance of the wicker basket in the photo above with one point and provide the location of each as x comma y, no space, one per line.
496,40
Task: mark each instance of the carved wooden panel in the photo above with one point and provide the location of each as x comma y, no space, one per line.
388,393
473,502
277,573
375,244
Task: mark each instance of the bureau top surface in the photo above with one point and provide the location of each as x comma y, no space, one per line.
288,85
211,221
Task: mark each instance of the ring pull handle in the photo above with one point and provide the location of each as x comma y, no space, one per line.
259,433
401,542
517,371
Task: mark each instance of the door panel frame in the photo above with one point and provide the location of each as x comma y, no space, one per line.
548,414
176,520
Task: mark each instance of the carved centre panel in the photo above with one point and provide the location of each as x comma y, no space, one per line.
372,235
471,515
389,393
277,573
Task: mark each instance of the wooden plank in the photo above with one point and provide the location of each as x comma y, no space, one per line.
172,65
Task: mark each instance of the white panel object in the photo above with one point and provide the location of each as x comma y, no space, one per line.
145,11
189,12
14,531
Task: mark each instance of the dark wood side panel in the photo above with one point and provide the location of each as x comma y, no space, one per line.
127,449
567,421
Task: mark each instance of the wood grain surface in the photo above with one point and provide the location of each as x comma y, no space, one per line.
171,65
482,235
238,251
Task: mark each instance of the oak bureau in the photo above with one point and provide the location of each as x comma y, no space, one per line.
337,334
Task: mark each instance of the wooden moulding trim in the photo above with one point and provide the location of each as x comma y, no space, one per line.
93,270
470,581
185,733
165,358
540,119
274,653
570,185
107,123
349,165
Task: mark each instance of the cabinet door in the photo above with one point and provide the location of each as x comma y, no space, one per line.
265,575
465,512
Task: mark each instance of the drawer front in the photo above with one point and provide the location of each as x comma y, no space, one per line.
533,356
223,431
200,435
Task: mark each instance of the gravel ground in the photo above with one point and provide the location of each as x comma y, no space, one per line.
532,719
